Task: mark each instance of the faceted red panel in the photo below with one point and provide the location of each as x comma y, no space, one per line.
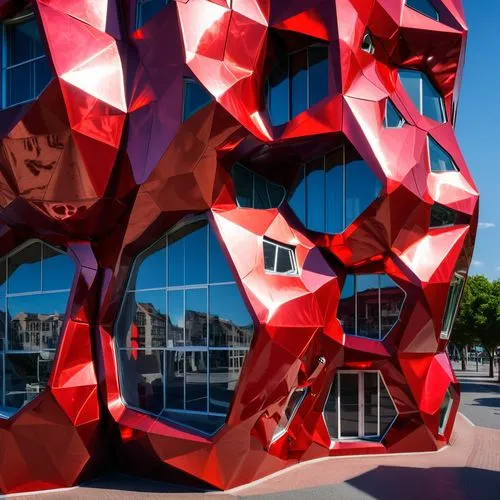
102,164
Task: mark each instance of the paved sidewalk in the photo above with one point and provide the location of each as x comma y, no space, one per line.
468,469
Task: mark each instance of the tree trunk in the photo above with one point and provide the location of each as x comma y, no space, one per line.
492,356
463,355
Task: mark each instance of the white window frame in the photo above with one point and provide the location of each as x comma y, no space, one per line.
291,253
361,407
446,332
442,427
22,18
402,121
439,172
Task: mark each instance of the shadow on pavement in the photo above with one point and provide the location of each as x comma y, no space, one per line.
492,402
483,387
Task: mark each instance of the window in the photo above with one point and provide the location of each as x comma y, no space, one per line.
26,70
423,94
294,401
442,216
370,305
452,303
367,43
359,406
253,191
392,118
444,412
279,259
334,190
425,7
35,283
183,330
439,159
146,10
297,82
195,98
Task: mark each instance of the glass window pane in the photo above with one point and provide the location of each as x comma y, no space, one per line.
276,194
25,269
3,291
225,369
442,216
261,198
220,271
440,160
452,303
411,81
195,98
297,200
20,84
58,270
43,75
175,318
371,403
444,411
387,411
196,381
230,322
391,302
432,101
151,268
292,406
175,255
335,191
269,256
349,405
147,9
367,295
3,413
298,75
316,195
23,42
243,185
142,379
393,118
175,379
362,188
196,255
424,7
318,74
286,263
26,376
207,424
278,96
196,317
35,321
347,306
144,325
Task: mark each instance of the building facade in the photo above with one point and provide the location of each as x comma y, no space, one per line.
234,235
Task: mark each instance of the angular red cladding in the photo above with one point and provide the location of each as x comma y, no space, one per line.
109,151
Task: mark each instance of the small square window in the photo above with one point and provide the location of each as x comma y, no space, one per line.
146,10
279,259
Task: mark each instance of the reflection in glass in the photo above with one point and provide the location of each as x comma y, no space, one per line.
367,297
444,411
347,306
452,303
294,401
316,195
371,388
349,404
298,76
146,10
442,216
278,93
199,311
392,118
58,270
439,159
425,7
143,373
387,411
279,259
331,410
318,74
25,269
151,267
334,166
195,98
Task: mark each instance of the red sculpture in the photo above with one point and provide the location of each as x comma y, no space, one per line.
271,222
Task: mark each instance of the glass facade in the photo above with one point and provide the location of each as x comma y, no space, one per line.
26,70
294,401
442,216
297,82
183,330
444,411
35,284
334,190
392,118
370,305
146,10
195,98
359,406
367,44
279,259
425,7
452,303
423,94
254,191
439,159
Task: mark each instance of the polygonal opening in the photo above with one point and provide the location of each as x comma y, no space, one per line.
452,303
359,406
294,401
334,190
444,412
424,7
183,330
195,98
35,285
392,118
370,305
424,95
442,216
367,43
439,159
146,10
